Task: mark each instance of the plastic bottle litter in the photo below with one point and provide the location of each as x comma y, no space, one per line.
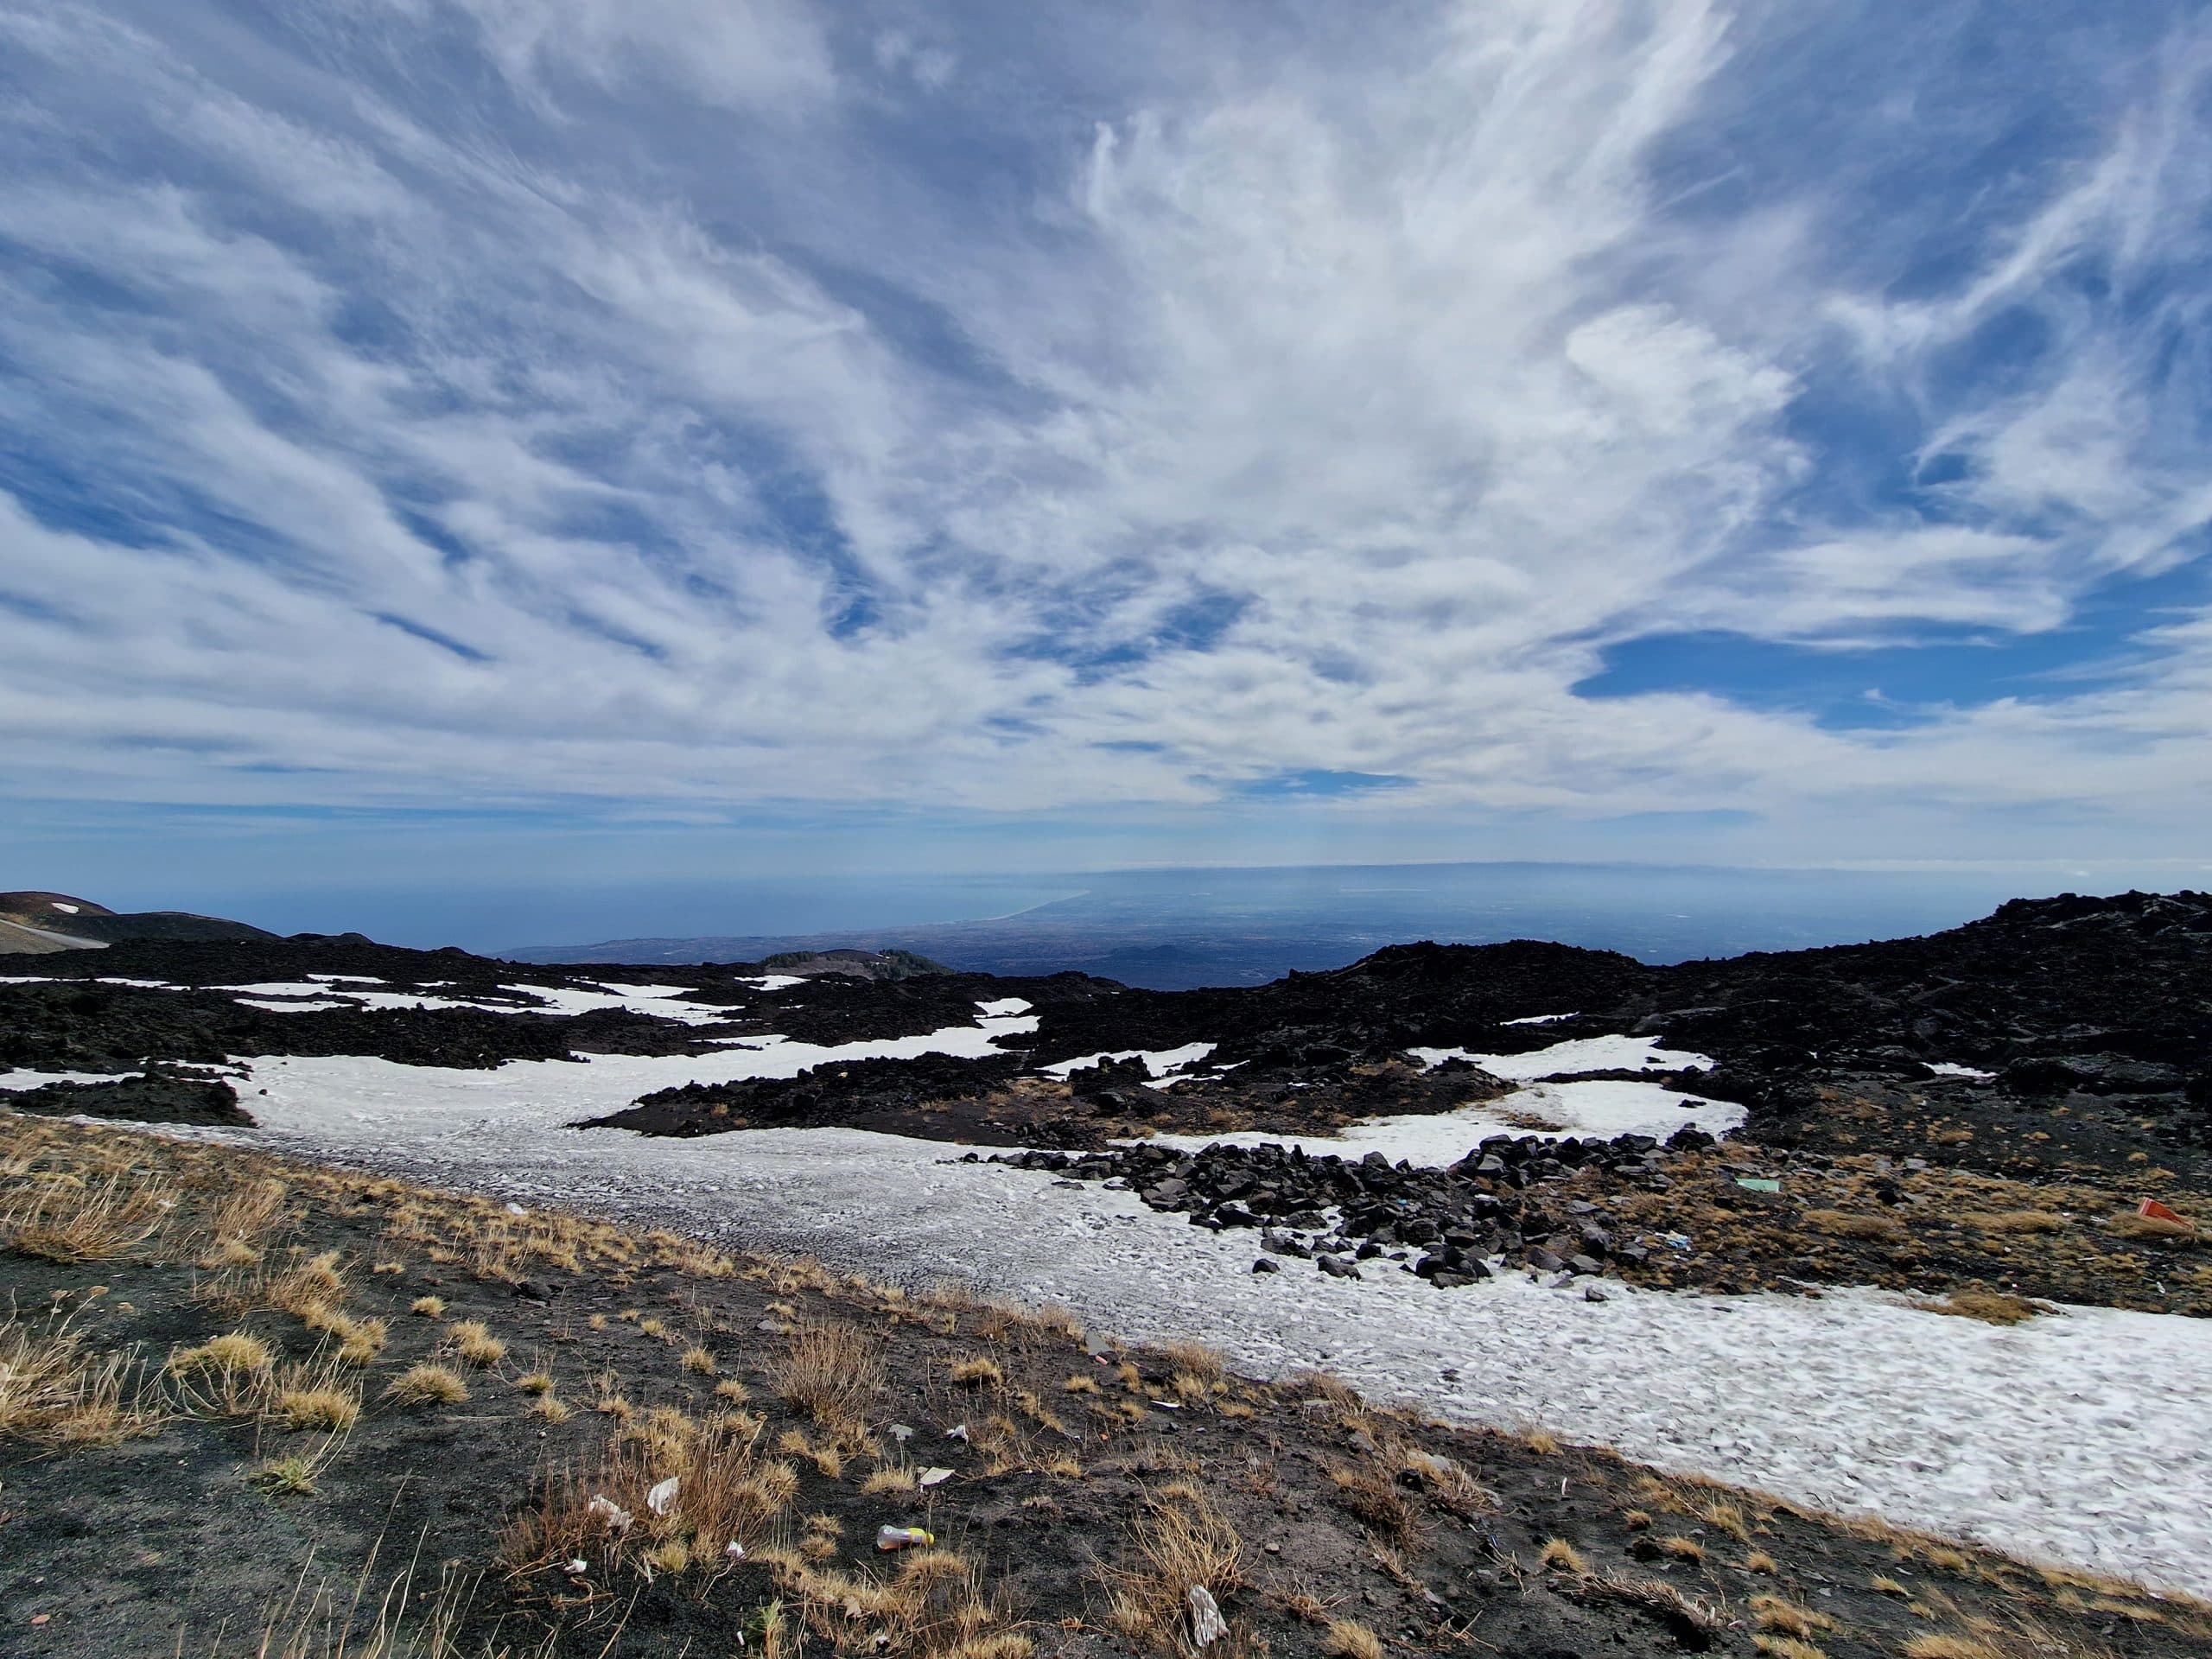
663,1497
617,1517
1207,1625
903,1537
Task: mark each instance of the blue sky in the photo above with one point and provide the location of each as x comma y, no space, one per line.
663,436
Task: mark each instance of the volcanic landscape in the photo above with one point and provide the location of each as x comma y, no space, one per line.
1906,1229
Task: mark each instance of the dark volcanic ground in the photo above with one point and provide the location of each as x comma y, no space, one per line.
2092,1018
311,1494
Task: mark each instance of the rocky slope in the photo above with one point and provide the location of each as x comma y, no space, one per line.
39,924
1985,1104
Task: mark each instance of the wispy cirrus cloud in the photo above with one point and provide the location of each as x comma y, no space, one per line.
710,407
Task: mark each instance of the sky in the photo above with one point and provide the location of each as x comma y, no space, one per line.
522,440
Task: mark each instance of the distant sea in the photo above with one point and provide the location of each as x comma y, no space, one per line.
1174,930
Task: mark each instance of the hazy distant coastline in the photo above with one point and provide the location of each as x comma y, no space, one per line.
1173,930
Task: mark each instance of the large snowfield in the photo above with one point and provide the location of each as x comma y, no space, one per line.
2079,1437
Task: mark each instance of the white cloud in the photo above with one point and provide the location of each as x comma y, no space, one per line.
1330,418
744,53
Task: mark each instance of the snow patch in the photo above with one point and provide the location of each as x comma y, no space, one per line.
1953,1069
662,1002
67,910
1539,1018
1548,1110
2076,1439
1577,1054
1157,1061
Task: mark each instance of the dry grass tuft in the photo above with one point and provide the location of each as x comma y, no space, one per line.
1693,1623
1944,1646
311,1395
699,1362
68,1223
239,1224
978,1372
726,1493
832,1373
2130,1225
1562,1557
236,1351
1681,1548
473,1340
1784,1618
1179,1539
426,1384
429,1308
1724,1517
229,1375
55,1391
2016,1221
307,1288
1990,1306
360,1341
1369,1494
1847,1223
1199,1360
1348,1639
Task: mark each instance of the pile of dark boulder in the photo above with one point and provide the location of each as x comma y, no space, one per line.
1492,1210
